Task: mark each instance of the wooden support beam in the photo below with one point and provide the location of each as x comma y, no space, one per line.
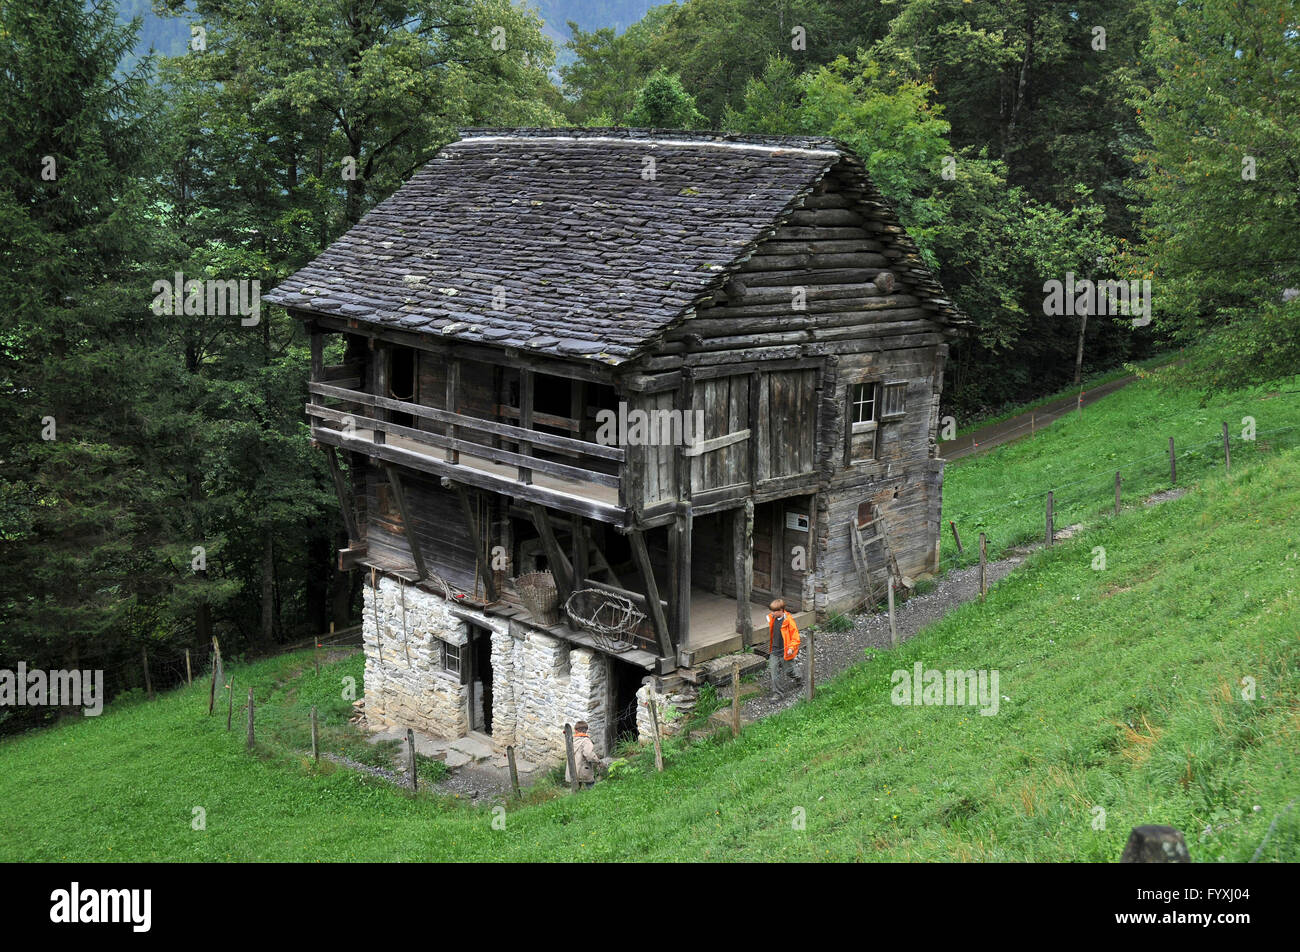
408,527
482,550
525,420
743,548
560,568
341,490
450,404
379,383
579,544
658,621
317,355
680,562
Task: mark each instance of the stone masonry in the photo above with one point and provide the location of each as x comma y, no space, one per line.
539,682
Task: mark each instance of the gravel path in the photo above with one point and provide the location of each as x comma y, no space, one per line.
837,651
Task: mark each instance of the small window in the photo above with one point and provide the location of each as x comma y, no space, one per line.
893,400
451,658
862,403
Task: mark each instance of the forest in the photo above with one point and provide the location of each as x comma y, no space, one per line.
157,486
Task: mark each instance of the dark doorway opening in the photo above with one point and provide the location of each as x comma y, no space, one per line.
401,381
625,680
480,679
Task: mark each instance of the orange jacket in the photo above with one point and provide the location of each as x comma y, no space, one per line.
789,635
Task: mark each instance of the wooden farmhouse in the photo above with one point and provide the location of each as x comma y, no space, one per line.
683,374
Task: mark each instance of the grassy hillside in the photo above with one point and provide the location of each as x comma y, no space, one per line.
1120,689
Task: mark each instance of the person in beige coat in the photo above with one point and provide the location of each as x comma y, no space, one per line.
584,757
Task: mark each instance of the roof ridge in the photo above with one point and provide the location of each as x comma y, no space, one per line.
638,134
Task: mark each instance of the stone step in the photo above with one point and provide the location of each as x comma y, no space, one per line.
717,671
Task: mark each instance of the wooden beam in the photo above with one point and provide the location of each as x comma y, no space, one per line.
560,567
482,551
579,541
450,404
525,420
680,551
554,498
743,550
340,489
399,497
657,620
317,355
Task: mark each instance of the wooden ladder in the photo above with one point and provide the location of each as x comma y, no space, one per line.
863,563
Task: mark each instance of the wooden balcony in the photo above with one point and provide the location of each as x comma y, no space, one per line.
464,451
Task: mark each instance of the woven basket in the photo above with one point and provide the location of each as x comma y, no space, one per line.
537,590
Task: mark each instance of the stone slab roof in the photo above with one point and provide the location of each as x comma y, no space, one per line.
580,243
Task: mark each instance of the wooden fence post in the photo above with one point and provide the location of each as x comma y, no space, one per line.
410,758
189,675
212,691
1033,421
1173,468
956,537
230,701
735,697
1227,453
514,772
983,555
893,629
568,753
315,736
810,676
654,725
250,716
144,656
1118,481
1051,516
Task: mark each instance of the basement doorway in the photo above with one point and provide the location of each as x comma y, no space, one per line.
479,678
624,681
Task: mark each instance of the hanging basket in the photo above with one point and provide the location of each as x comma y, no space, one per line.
537,591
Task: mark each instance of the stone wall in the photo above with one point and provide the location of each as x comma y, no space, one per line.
539,682
405,683
674,710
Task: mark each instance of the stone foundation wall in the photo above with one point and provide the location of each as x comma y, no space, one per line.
538,682
682,703
405,683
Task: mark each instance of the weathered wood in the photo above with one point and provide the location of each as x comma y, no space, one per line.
451,404
641,556
526,421
654,726
983,557
346,506
680,563
810,667
568,753
482,548
514,772
743,549
250,717
189,675
580,544
411,764
893,628
955,536
408,527
560,568
735,698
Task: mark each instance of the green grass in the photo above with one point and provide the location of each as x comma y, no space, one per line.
1122,691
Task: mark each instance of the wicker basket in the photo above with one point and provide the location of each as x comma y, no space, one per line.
537,590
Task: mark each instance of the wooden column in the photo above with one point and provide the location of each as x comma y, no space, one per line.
451,403
641,556
525,420
317,354
680,562
482,550
341,490
379,381
742,536
579,543
560,567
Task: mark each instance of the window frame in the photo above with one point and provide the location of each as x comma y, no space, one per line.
864,426
898,387
446,651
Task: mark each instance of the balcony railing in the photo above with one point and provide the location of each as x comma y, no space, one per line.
450,453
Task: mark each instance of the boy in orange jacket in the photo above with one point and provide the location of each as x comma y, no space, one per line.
782,653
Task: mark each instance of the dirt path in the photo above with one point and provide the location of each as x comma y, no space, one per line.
838,651
995,434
